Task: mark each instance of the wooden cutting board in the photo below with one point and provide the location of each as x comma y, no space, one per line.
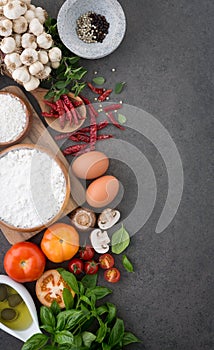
39,135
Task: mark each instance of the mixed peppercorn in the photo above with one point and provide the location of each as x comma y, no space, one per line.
92,27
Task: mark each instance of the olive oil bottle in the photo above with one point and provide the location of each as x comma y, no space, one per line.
14,313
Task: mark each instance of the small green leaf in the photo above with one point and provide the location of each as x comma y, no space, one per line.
120,240
64,337
127,264
112,311
88,338
55,308
106,346
101,333
100,292
61,84
117,332
48,329
121,118
85,299
119,87
68,299
70,279
47,317
36,342
49,95
68,319
129,338
89,281
102,309
99,80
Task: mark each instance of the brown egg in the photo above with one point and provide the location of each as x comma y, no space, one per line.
102,191
90,165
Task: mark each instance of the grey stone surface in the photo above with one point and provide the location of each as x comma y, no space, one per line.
166,59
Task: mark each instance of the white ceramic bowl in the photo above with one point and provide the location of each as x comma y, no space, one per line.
22,291
71,10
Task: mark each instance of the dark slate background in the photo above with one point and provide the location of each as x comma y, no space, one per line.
167,61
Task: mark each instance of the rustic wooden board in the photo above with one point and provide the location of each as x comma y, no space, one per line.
39,135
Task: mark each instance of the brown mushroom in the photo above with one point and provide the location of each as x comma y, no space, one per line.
83,219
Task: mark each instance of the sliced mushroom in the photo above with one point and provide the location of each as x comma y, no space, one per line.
100,241
108,218
83,218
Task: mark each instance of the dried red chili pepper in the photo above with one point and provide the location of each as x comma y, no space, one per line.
96,90
77,103
69,116
106,94
71,107
51,104
86,129
73,149
113,107
104,137
50,115
93,128
114,122
89,104
61,112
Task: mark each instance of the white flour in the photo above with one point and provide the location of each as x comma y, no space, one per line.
32,188
12,118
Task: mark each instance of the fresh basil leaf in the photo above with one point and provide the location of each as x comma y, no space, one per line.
48,329
101,333
127,264
100,292
49,347
47,317
81,288
68,299
99,80
36,342
73,59
64,337
120,240
88,338
106,346
49,95
70,279
85,299
112,311
89,281
119,87
102,309
77,340
121,118
61,84
117,332
129,338
69,318
55,308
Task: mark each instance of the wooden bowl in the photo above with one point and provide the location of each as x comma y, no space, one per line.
67,194
24,132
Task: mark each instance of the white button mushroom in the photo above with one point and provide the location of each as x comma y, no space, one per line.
108,218
100,241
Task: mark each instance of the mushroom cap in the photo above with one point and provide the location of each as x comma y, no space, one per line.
83,218
100,241
108,218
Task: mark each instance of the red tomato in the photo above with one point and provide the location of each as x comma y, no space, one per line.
76,266
86,252
112,275
91,267
49,287
106,261
24,262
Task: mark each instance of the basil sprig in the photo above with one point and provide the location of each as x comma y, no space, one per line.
71,329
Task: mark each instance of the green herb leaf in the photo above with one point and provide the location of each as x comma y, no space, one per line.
100,292
48,329
121,118
49,347
112,311
69,318
119,87
89,281
127,264
101,333
64,337
120,240
99,80
36,342
68,299
117,332
47,317
55,308
129,338
85,299
102,309
70,279
106,346
88,338
61,84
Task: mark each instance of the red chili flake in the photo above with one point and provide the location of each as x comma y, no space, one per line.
103,97
114,122
113,107
96,90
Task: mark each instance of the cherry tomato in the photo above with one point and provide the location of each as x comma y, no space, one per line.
49,287
112,275
86,252
106,261
91,267
76,266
